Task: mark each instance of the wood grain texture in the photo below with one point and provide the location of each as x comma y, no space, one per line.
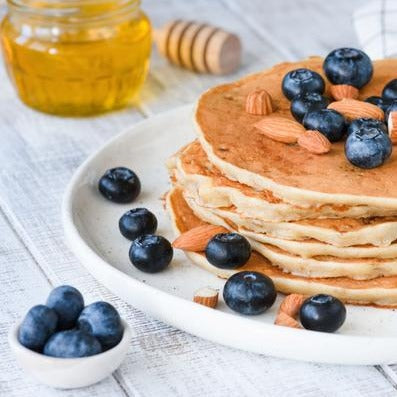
39,154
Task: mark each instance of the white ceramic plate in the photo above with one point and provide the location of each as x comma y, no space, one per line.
369,335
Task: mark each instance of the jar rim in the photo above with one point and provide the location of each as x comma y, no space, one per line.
74,11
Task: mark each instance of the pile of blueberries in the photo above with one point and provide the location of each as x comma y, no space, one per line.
367,144
248,293
64,328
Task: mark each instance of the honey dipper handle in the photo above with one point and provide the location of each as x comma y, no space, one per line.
199,47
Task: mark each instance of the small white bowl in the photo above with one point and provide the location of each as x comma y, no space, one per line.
69,373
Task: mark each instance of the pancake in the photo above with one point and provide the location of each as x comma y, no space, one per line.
259,211
192,168
241,153
316,266
380,291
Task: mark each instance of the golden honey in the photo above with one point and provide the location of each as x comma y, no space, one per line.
76,57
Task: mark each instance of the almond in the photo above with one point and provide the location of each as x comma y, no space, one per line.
206,296
353,109
288,310
286,321
343,91
292,304
259,102
392,126
196,239
280,129
314,142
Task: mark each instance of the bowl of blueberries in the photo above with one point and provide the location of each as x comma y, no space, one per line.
65,344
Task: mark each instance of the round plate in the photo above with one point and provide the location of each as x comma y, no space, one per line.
91,227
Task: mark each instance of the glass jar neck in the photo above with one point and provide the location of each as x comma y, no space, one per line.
75,11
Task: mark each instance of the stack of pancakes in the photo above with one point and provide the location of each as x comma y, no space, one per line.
316,223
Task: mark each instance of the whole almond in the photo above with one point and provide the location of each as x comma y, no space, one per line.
343,91
206,296
314,142
286,321
392,126
353,109
288,310
259,102
280,129
196,239
292,304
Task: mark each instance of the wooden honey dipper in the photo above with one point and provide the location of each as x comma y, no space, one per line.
199,47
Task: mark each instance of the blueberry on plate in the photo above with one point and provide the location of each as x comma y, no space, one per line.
151,253
378,101
38,325
390,90
368,147
68,303
391,108
102,320
365,122
308,102
301,81
228,250
329,122
120,185
348,66
136,222
72,344
322,313
249,293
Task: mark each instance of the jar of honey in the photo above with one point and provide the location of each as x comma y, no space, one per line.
76,57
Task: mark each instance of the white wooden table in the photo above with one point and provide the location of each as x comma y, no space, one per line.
38,155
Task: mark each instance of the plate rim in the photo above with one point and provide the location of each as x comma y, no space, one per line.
371,348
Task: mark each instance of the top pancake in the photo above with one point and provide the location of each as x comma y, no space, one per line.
237,148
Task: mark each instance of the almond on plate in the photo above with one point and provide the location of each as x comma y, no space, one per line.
206,296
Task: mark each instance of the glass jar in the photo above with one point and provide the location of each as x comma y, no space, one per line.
76,57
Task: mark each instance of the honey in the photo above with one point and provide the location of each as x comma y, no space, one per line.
76,57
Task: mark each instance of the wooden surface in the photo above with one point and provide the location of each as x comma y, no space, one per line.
39,154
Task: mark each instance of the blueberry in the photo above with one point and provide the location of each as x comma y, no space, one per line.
302,81
348,66
136,222
308,102
364,122
390,90
228,250
391,108
68,303
368,147
379,102
322,313
38,325
72,344
151,253
329,122
102,320
120,185
249,293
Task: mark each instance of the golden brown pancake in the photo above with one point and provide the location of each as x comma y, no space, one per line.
242,153
380,291
254,210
